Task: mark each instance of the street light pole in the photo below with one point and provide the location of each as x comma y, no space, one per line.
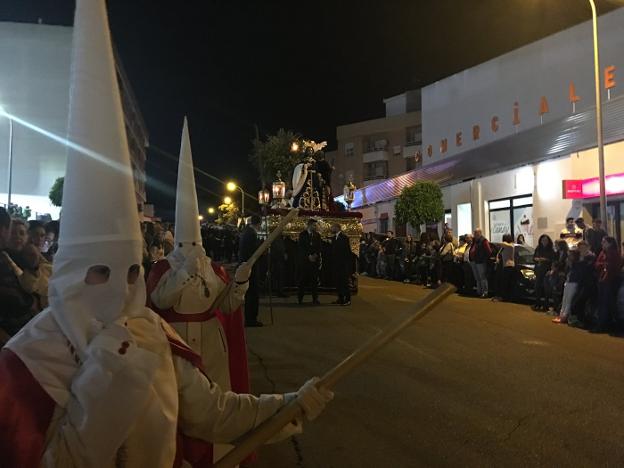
242,202
601,163
10,182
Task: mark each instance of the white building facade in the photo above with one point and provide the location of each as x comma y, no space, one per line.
34,87
512,141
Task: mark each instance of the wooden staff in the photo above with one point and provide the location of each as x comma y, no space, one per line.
257,254
261,434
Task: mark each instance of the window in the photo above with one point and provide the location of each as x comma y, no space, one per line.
410,164
512,216
349,149
448,218
375,144
413,135
464,219
376,170
383,225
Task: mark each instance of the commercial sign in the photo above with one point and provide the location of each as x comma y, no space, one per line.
590,188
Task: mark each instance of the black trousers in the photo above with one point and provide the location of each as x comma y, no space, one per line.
252,299
342,285
308,277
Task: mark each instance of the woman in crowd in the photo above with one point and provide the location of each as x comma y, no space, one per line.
554,281
561,251
507,265
520,239
50,245
409,258
543,258
581,312
570,288
446,257
607,269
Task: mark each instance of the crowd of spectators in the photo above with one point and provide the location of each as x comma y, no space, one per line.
576,278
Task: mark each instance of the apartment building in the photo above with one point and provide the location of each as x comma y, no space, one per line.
381,148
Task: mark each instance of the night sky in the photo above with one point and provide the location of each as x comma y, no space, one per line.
302,65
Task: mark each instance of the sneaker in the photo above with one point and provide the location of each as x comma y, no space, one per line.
348,303
557,320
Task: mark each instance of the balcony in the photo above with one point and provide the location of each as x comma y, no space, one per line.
374,156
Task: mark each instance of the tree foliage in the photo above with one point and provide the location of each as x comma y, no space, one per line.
228,214
419,204
56,192
275,154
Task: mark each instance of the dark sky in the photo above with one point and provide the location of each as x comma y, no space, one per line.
302,65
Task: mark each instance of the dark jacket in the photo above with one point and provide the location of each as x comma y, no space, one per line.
342,257
391,246
608,266
310,244
247,244
594,239
16,305
480,250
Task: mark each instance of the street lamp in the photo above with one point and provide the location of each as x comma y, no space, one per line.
211,210
263,197
294,147
227,200
231,186
10,181
279,189
601,164
200,218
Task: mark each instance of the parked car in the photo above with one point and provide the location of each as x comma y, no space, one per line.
524,279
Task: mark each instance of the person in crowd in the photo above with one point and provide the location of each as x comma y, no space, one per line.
37,268
520,239
17,306
447,256
362,258
36,234
594,235
51,241
554,282
372,251
586,288
580,224
382,264
468,285
571,233
391,248
506,260
570,288
607,266
278,260
342,259
249,242
543,257
435,264
424,259
561,251
480,252
310,261
410,256
156,253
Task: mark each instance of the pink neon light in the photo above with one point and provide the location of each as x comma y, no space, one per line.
590,188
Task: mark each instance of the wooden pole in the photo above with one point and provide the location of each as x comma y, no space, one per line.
261,434
257,254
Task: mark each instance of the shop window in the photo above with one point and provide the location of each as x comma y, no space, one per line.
383,225
512,216
464,219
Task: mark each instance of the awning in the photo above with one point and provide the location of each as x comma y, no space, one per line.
550,140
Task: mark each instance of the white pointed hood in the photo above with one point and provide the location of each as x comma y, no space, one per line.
187,232
100,224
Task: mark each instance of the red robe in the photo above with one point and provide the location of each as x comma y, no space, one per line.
233,325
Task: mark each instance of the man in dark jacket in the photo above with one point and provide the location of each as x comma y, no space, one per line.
248,244
342,259
594,236
391,248
310,261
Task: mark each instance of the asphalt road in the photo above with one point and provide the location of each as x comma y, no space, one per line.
475,383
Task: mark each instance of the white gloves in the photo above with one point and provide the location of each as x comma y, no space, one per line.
243,272
313,399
